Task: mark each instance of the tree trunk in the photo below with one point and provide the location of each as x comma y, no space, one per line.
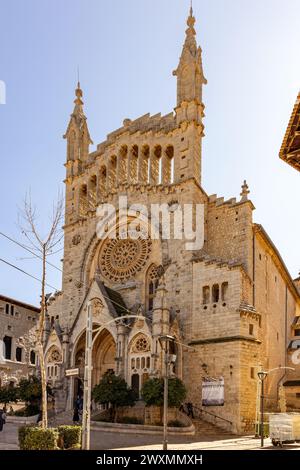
40,346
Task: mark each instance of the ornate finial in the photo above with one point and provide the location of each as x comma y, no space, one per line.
78,93
191,20
245,192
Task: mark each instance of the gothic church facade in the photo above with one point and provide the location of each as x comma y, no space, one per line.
232,302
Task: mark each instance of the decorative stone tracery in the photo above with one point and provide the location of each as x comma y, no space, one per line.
120,259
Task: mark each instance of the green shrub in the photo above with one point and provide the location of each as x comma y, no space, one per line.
131,420
153,392
8,394
35,438
175,423
70,436
113,390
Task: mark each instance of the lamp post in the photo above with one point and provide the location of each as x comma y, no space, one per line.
262,375
90,341
164,340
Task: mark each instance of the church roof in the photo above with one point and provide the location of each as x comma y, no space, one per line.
290,149
117,301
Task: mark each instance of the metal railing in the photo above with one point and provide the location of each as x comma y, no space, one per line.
201,411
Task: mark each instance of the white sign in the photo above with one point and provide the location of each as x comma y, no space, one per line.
70,372
213,392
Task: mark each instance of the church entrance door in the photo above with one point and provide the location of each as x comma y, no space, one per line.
135,384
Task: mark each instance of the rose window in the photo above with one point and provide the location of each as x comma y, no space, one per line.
55,356
120,260
141,345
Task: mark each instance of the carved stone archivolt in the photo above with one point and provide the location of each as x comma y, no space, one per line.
120,259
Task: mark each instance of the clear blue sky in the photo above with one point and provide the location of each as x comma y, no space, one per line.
127,50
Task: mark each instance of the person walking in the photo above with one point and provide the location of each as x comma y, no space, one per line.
2,419
75,416
190,410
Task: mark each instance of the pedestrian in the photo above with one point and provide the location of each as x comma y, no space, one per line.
76,416
2,419
190,410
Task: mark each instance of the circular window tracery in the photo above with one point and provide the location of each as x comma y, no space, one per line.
120,259
54,356
141,345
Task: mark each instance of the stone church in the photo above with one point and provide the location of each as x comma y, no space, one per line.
231,306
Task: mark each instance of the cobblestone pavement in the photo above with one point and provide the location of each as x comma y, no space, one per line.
109,440
9,437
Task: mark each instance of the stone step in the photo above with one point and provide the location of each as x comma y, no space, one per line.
204,428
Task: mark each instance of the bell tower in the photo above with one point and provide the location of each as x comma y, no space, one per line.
190,108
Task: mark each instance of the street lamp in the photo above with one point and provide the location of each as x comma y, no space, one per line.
262,376
164,341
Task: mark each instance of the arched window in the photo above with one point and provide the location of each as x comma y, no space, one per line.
93,192
168,165
144,164
151,285
140,359
7,340
205,295
133,164
83,202
156,165
215,293
112,175
32,357
224,290
102,179
53,360
123,162
19,354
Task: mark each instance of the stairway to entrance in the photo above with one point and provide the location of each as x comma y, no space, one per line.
204,428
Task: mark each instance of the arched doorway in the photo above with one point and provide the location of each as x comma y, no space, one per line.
103,360
104,356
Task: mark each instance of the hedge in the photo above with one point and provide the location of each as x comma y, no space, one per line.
35,438
70,436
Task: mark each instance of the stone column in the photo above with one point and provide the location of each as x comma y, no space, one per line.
121,335
160,323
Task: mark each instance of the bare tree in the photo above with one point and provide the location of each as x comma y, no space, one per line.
42,247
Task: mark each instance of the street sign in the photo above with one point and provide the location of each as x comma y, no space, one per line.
70,372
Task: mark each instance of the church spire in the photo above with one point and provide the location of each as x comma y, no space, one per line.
77,134
189,72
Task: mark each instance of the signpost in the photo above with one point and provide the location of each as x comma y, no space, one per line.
72,372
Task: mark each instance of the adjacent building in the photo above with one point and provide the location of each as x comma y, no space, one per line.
290,149
17,354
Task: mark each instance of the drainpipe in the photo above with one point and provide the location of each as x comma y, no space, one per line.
285,342
253,271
